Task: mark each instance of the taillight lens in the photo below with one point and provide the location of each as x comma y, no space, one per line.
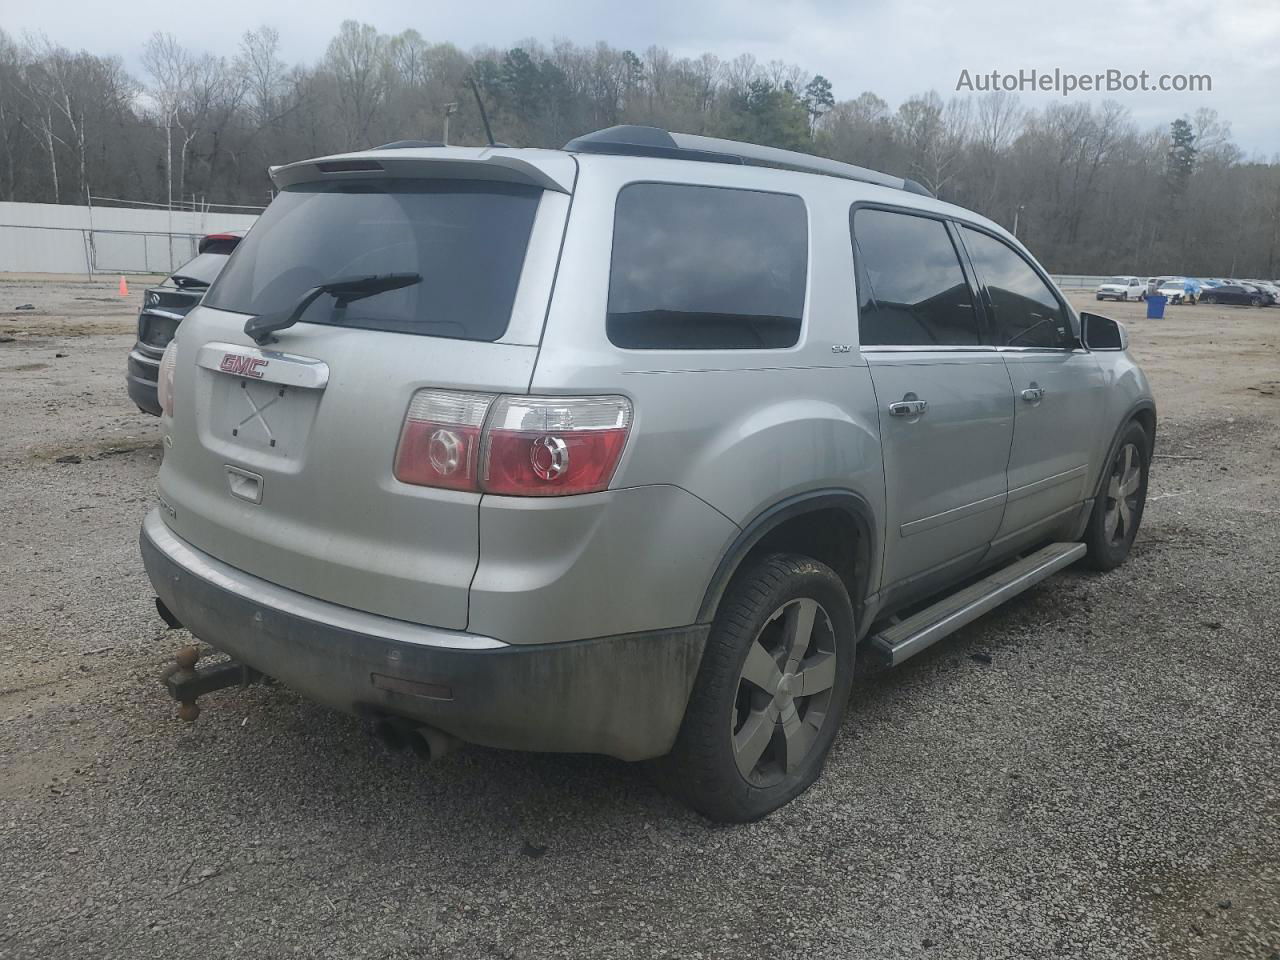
552,446
164,378
515,446
440,440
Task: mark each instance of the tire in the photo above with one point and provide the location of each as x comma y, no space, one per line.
1210,299
1117,514
717,766
1099,296
1255,301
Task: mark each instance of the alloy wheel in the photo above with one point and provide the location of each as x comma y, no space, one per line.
1123,489
784,692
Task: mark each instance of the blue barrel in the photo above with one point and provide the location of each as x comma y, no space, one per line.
1155,306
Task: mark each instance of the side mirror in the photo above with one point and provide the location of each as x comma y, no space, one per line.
1103,333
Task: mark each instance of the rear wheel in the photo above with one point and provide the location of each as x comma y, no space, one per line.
770,693
1256,300
1209,298
1117,513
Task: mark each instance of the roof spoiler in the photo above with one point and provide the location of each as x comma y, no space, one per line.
392,162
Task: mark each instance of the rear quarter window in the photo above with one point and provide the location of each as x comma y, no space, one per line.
706,268
467,239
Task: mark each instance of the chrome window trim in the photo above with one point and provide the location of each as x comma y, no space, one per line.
939,348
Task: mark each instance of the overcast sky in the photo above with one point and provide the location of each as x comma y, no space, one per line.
892,47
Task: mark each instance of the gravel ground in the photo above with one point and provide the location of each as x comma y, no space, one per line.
1091,771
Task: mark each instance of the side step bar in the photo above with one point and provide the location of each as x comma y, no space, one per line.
921,630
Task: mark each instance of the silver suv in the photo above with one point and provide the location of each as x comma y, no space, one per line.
626,448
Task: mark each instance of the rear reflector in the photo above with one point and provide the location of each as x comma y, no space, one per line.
514,446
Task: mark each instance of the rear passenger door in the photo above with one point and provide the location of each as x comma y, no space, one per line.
944,400
1058,386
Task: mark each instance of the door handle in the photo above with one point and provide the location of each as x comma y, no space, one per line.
1033,394
908,408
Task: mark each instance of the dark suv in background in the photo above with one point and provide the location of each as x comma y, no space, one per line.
164,306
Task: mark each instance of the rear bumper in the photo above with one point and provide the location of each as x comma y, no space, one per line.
143,372
624,696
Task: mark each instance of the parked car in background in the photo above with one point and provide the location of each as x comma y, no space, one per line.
568,450
1235,293
1122,288
1179,289
163,308
1254,287
1269,288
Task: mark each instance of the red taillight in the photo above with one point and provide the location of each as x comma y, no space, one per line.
440,440
514,446
218,243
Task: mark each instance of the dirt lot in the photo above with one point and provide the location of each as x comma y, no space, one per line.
1091,771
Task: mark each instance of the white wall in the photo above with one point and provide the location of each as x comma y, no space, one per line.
62,238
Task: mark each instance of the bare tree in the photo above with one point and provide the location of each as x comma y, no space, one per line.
170,67
262,70
357,58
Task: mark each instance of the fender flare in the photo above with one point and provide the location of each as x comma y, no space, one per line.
854,504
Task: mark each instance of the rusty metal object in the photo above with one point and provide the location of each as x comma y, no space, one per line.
185,681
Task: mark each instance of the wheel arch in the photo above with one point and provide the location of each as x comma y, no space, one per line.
834,526
1144,413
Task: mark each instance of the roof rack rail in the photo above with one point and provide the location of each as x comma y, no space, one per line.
632,140
406,144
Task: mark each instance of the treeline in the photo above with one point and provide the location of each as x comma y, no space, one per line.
1089,190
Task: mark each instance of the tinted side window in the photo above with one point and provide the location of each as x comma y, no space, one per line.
911,289
1025,311
699,268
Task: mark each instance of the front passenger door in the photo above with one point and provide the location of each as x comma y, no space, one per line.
944,400
1058,388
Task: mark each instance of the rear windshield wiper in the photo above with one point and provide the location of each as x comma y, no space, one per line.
344,291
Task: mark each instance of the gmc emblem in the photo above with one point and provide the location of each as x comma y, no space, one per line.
241,366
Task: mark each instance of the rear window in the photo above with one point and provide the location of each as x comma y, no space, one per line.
706,268
467,239
200,271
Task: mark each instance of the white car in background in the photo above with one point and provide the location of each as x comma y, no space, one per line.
1122,288
1179,289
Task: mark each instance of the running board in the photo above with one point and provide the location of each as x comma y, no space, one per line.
922,630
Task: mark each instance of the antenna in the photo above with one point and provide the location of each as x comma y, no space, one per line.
483,116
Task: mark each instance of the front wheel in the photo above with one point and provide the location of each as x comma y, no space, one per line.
770,694
1256,301
1117,513
1209,298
